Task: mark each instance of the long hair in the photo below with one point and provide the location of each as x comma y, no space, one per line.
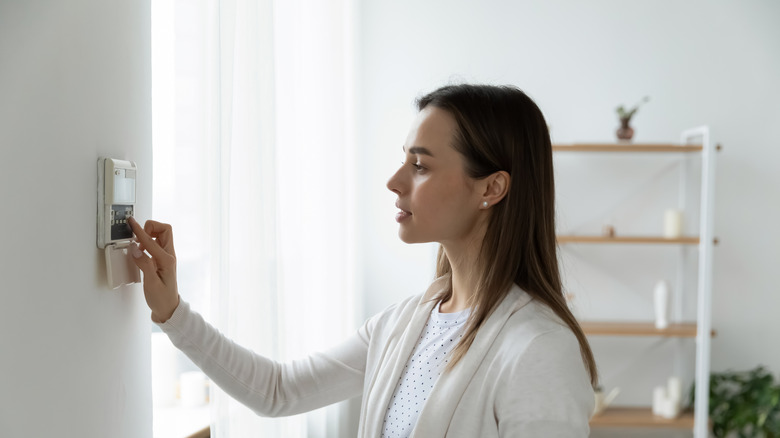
501,128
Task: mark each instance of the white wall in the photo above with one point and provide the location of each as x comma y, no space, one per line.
701,62
74,86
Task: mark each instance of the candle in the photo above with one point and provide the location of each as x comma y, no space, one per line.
674,390
659,397
670,409
673,224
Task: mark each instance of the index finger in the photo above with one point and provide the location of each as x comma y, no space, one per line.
148,242
163,233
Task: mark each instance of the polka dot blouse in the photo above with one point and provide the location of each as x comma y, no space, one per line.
430,356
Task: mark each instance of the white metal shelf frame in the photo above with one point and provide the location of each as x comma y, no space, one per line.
704,299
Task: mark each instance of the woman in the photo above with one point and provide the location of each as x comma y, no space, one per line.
490,349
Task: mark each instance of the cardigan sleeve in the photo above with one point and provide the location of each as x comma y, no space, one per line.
546,391
266,386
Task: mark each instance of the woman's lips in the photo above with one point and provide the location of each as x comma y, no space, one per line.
401,215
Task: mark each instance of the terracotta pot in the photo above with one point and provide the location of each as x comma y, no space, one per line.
625,132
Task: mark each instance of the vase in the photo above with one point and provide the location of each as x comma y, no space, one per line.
625,132
661,304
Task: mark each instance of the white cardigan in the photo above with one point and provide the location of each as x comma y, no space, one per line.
522,377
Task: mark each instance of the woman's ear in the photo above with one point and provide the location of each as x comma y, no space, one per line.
496,187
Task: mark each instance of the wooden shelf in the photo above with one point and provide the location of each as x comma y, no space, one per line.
626,147
628,239
640,417
617,328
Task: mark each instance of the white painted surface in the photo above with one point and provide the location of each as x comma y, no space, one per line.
713,63
74,85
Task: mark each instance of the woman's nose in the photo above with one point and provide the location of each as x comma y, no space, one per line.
393,184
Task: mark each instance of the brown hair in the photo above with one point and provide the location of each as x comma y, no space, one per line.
501,128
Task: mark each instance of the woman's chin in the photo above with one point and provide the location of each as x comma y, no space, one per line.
410,238
405,238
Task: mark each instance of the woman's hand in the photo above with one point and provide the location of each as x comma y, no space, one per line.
160,290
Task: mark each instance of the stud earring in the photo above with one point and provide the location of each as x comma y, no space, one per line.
485,204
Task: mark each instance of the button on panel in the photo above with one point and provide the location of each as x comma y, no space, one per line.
119,227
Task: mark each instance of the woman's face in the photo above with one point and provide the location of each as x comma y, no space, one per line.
437,201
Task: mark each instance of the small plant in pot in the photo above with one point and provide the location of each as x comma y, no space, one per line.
744,404
626,132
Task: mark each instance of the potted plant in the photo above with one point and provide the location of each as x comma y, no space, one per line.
626,132
744,404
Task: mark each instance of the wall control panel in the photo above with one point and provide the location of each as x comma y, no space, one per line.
115,205
116,200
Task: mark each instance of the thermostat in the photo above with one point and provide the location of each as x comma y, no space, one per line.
115,205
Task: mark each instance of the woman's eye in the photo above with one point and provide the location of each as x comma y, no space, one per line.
417,166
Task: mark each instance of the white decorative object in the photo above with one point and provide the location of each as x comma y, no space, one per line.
604,400
673,224
673,398
659,397
671,409
674,389
193,389
661,304
667,400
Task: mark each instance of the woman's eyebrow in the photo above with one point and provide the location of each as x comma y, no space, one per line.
418,150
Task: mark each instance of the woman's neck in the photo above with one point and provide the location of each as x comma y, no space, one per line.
464,277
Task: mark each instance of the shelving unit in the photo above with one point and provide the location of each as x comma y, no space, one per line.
629,147
701,329
628,239
612,328
641,417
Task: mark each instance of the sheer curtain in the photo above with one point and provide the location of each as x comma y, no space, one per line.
263,88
